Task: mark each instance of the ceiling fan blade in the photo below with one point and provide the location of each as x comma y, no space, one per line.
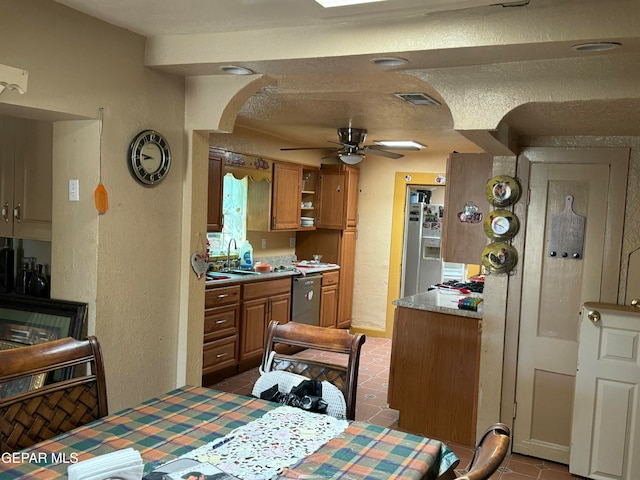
382,153
310,148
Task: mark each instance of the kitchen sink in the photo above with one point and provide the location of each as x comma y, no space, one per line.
243,272
217,276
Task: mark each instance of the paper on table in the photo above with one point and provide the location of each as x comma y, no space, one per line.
123,464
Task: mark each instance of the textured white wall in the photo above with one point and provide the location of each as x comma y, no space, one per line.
125,263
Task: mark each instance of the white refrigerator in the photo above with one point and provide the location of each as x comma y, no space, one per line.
422,261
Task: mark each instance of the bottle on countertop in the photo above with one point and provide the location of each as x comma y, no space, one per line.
38,283
246,256
6,267
22,284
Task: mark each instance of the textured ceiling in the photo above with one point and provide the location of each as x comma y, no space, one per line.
480,55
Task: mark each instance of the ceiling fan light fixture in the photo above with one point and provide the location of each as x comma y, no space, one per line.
235,70
400,144
595,46
350,158
418,98
389,61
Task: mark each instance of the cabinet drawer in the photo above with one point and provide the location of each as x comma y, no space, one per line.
266,289
330,278
215,297
219,354
220,322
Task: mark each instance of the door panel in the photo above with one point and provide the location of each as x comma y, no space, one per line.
554,288
606,422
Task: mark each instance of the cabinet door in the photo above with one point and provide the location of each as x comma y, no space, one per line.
214,198
33,180
328,306
287,192
280,308
353,189
347,271
467,176
6,175
332,211
254,315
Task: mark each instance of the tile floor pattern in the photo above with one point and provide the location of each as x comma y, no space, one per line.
373,383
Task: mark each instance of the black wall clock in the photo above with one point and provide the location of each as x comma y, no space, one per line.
149,157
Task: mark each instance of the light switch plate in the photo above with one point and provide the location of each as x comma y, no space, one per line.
74,190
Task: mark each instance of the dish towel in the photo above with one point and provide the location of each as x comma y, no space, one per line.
123,464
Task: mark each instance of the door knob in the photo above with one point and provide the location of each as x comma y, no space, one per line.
594,316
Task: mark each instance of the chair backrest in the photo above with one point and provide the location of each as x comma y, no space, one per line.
342,374
33,413
489,453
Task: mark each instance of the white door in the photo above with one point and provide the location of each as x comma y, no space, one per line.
606,420
554,289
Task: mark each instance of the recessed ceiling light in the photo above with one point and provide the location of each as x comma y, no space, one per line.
390,61
596,46
400,144
343,3
234,70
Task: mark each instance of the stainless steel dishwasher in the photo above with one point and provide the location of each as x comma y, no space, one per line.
305,301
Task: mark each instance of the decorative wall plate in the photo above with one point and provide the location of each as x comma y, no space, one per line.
499,257
502,191
501,225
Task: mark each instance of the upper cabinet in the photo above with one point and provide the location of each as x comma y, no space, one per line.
467,176
26,148
214,198
286,195
338,197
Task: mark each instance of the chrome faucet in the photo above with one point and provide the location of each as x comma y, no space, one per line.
235,245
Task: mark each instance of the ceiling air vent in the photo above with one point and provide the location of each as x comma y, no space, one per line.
417,98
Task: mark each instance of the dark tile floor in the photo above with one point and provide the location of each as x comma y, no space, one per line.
373,383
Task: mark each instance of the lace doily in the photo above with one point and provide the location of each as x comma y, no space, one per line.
262,448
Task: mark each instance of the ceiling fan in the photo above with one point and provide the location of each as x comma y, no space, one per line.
351,150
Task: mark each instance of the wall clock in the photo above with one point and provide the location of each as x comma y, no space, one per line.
501,225
149,157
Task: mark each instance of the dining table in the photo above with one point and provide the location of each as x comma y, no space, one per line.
172,425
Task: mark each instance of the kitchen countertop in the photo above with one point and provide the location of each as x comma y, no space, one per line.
436,301
301,269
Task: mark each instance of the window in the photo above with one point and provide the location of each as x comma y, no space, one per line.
234,209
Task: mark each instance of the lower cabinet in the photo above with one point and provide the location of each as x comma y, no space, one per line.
329,299
221,321
434,374
261,303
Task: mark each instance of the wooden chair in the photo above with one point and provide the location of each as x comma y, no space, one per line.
344,377
489,453
39,413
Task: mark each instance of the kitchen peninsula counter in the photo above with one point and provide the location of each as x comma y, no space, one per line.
435,364
436,301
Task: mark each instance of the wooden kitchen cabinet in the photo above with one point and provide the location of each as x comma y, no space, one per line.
286,195
434,374
338,197
261,302
221,321
467,176
347,262
329,299
214,197
26,149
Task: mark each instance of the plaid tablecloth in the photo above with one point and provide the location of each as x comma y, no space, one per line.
164,428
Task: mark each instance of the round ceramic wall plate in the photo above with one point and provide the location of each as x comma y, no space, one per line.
501,225
499,257
502,191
